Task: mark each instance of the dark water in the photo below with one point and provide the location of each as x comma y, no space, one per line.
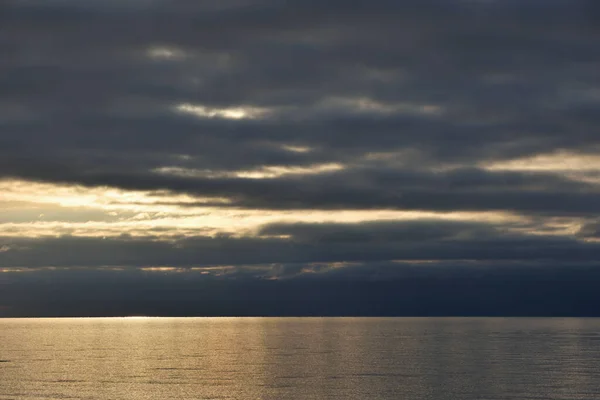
288,358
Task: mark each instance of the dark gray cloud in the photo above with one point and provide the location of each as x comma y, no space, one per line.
590,230
302,244
414,100
512,79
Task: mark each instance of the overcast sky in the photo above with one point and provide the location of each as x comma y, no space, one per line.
160,144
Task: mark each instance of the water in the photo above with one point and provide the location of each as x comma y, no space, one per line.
297,358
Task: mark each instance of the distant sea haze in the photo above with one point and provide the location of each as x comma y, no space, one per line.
480,290
300,358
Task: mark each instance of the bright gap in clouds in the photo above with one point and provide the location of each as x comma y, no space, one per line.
166,53
558,161
42,209
335,105
269,172
368,105
576,167
235,113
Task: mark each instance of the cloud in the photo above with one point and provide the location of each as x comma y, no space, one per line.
248,133
502,81
305,243
590,230
509,79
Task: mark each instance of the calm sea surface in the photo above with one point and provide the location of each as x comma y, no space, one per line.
300,358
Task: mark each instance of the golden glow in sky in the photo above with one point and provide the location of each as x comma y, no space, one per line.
41,209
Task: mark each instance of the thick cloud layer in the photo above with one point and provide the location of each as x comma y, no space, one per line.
90,90
195,134
303,243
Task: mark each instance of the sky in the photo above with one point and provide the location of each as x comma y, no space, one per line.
270,157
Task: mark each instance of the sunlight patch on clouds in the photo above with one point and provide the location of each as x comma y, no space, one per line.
269,172
559,161
352,105
17,192
234,113
577,167
371,106
553,226
279,171
166,53
216,271
239,223
162,269
161,228
110,212
296,149
15,270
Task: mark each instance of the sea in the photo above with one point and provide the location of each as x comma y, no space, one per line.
300,358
